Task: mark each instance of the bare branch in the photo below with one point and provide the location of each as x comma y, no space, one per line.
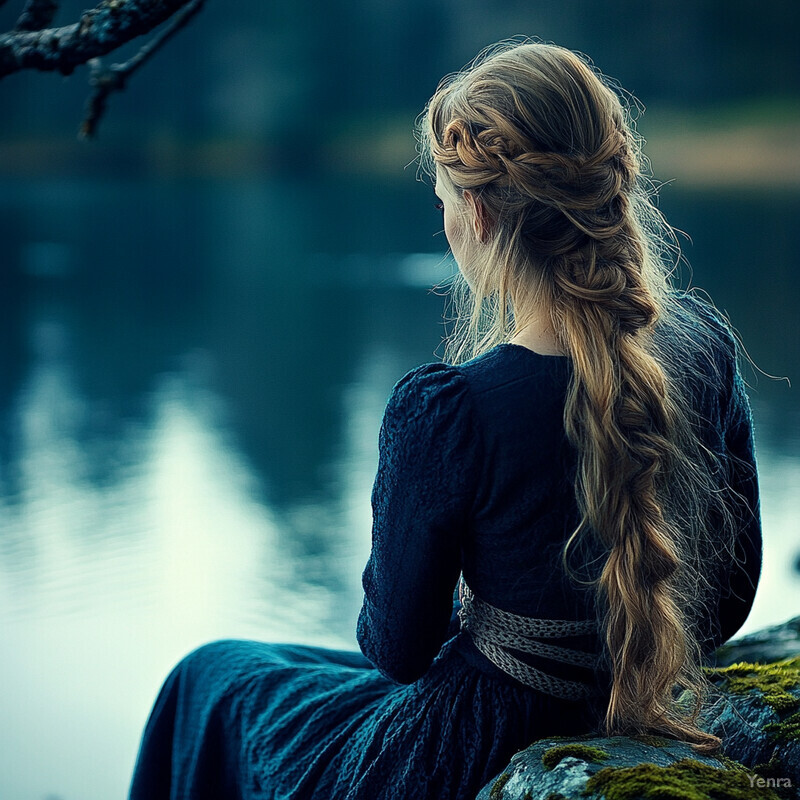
36,15
114,78
102,29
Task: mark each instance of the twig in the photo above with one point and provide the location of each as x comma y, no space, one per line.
104,81
36,14
99,31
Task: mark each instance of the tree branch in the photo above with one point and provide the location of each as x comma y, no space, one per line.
99,31
115,77
36,14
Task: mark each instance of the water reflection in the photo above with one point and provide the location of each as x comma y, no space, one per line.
191,382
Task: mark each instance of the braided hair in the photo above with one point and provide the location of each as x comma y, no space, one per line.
547,146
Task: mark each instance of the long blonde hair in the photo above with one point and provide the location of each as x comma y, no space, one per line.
549,149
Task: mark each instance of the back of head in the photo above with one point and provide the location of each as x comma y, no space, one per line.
544,144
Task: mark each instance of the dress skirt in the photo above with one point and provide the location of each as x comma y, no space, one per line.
244,719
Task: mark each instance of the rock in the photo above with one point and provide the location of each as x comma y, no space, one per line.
769,644
756,714
559,768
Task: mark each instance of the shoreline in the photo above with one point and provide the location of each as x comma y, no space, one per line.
748,155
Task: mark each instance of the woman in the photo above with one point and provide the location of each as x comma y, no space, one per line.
585,483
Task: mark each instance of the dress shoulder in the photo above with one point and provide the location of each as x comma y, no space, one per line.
428,429
704,352
436,391
694,309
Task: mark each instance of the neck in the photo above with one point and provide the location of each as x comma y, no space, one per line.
537,334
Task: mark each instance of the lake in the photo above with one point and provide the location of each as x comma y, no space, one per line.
193,377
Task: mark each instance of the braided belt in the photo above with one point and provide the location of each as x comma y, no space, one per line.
493,631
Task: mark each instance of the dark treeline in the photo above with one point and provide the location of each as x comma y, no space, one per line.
297,71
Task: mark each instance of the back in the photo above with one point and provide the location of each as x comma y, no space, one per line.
525,508
477,475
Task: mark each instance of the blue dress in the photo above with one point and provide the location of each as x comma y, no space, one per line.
476,477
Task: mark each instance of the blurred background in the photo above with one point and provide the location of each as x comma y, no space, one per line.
203,313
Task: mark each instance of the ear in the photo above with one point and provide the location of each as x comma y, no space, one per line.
481,221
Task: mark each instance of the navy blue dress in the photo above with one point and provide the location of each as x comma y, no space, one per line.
476,477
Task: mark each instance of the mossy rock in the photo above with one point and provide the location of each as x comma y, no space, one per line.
622,768
757,714
553,756
777,682
688,779
553,768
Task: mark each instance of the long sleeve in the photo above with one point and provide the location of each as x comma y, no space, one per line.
422,501
740,589
734,577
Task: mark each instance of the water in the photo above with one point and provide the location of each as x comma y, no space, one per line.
192,380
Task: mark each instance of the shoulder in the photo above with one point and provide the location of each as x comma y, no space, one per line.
429,388
496,369
696,335
701,340
429,418
701,320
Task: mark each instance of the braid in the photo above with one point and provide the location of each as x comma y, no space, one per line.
621,417
546,145
622,436
571,183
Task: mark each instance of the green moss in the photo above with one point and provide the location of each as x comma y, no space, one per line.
653,741
555,796
552,757
774,680
579,738
787,730
688,779
528,795
496,792
730,763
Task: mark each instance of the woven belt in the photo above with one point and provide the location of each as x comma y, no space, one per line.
493,631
